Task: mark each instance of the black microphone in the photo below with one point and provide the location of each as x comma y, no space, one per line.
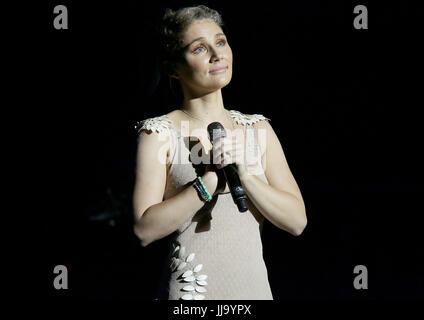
216,131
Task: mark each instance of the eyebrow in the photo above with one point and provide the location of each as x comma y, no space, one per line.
202,38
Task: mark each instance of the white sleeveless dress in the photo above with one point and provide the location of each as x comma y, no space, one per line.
217,253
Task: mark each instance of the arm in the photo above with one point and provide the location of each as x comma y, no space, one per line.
280,201
154,218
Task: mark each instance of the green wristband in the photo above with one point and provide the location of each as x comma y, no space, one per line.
201,188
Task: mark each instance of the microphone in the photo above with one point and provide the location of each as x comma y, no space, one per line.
216,131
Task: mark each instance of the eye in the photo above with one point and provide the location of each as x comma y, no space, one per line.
196,50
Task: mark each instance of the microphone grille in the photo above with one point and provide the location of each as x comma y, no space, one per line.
216,131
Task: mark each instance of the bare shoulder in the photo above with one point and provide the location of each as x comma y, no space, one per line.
159,124
154,135
173,114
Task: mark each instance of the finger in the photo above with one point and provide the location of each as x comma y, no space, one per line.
238,149
217,148
239,157
223,150
222,164
227,159
218,158
222,161
224,143
218,154
227,148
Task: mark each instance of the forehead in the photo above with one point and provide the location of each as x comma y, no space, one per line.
201,28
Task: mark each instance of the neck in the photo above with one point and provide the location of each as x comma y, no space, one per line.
207,107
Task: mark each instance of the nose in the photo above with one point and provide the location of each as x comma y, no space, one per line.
216,55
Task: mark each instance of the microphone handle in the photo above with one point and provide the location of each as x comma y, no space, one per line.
234,184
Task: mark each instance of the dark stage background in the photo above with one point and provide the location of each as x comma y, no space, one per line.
345,104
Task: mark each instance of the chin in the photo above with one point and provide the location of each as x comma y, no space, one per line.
221,83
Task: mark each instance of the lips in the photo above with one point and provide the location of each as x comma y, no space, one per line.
218,70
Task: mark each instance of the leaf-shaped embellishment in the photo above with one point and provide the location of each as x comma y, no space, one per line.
189,288
199,297
201,282
189,279
181,252
187,274
175,252
190,257
198,268
187,296
201,277
174,263
200,289
244,119
159,124
181,265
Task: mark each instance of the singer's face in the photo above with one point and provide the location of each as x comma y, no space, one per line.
205,49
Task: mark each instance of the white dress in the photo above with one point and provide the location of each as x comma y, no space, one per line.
217,253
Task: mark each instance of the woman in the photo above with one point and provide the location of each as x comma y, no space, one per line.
216,250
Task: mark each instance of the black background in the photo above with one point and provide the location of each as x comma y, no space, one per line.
345,104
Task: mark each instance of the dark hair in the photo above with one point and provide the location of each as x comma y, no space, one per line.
173,26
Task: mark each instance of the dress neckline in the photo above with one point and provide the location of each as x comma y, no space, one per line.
173,127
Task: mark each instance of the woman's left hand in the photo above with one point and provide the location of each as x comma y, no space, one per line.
230,150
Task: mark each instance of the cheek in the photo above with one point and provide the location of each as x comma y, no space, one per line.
229,54
197,65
